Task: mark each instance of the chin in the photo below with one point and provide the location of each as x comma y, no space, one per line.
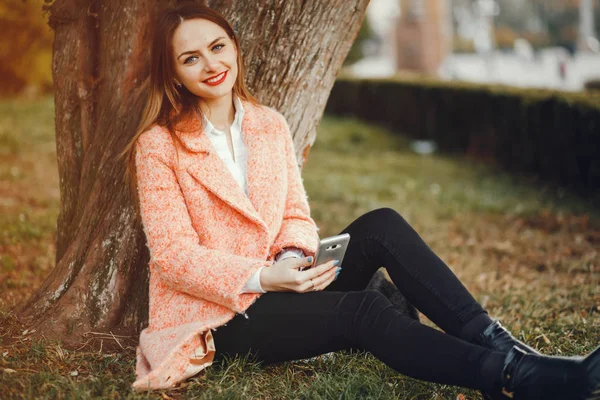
215,94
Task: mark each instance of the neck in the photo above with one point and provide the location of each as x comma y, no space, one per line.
220,111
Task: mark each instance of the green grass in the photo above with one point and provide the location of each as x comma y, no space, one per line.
367,166
527,251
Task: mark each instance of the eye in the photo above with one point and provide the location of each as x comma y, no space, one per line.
218,45
188,59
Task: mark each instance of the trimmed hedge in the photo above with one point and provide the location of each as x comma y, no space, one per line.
593,84
553,135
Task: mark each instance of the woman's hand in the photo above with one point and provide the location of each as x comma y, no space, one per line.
284,276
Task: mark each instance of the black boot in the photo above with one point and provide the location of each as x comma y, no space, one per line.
532,377
498,338
384,285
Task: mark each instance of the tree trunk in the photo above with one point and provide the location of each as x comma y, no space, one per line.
99,286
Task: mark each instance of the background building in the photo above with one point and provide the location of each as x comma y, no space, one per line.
527,43
423,35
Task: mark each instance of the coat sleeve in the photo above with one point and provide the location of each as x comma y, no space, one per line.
298,229
182,261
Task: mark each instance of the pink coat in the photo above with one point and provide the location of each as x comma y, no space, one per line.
206,237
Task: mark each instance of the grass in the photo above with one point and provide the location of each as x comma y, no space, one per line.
528,252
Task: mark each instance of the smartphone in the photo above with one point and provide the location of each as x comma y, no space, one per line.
331,248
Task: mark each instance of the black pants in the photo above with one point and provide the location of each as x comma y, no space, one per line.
283,326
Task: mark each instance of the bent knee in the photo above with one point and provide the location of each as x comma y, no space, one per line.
383,215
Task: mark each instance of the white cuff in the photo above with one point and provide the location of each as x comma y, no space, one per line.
291,252
253,284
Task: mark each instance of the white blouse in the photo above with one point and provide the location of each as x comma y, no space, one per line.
236,164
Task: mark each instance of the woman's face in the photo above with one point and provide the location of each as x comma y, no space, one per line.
202,50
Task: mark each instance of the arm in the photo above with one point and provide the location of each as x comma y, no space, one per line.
182,261
298,229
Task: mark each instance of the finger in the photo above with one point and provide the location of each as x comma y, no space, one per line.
303,279
317,271
329,282
319,282
323,280
303,262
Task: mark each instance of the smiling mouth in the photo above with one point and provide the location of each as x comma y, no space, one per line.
216,78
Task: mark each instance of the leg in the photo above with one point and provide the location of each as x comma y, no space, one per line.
383,238
285,326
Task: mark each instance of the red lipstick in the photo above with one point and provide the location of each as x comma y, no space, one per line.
224,75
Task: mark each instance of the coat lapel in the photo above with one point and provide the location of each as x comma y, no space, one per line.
211,171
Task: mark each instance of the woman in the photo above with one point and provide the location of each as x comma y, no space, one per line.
228,227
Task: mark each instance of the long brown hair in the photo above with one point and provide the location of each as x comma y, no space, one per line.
165,103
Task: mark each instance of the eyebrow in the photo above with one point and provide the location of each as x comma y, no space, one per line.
193,51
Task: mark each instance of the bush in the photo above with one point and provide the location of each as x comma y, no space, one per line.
593,84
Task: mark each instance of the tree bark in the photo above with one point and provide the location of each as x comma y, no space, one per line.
99,287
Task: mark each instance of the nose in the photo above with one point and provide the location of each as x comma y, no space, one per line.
212,64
